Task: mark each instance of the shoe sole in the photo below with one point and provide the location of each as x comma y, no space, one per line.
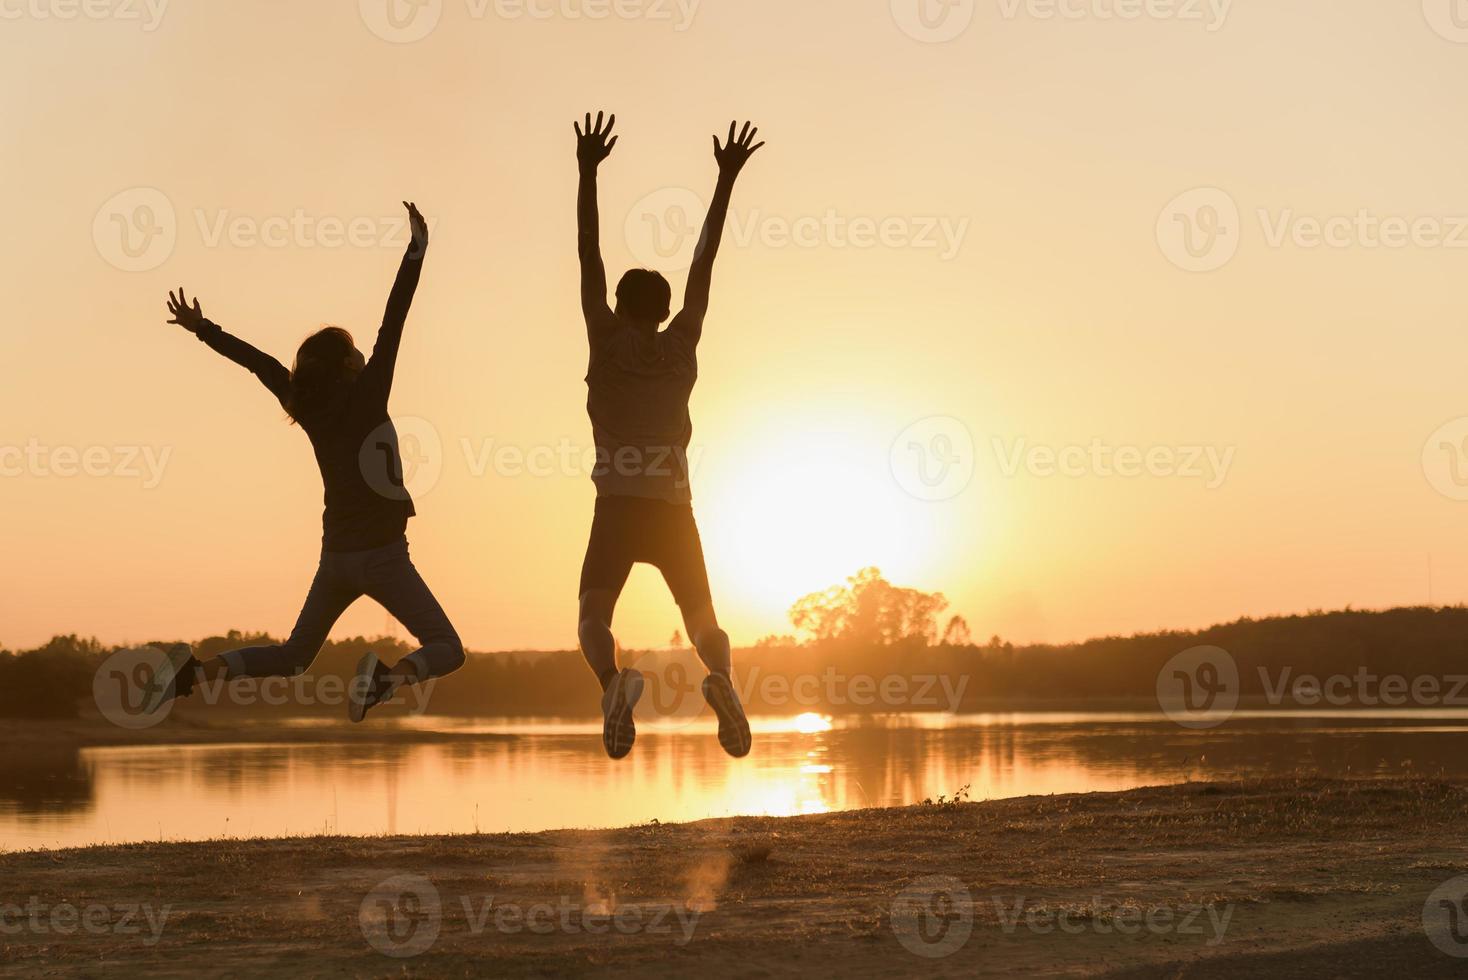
734,734
361,684
618,731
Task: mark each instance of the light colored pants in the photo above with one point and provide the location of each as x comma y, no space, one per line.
383,574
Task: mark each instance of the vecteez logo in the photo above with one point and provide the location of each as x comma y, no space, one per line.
933,917
127,683
1200,230
1211,14
1448,18
1445,459
403,458
934,459
148,14
1445,917
402,917
1199,688
933,21
136,230
411,21
662,228
401,21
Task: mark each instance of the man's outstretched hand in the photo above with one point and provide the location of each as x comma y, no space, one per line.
592,144
420,228
190,318
734,154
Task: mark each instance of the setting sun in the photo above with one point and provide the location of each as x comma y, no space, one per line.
823,501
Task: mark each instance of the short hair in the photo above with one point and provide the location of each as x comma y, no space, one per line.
644,295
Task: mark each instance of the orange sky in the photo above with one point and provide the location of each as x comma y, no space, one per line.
968,221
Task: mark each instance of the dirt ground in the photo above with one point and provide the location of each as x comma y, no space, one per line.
1282,878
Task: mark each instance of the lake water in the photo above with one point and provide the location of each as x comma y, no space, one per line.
548,774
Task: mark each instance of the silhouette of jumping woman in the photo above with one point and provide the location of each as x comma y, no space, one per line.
639,382
340,400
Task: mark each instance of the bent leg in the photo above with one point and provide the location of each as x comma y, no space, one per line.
328,599
711,642
683,567
594,630
718,687
396,584
681,561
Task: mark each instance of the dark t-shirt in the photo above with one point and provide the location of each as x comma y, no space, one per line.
367,503
638,388
356,446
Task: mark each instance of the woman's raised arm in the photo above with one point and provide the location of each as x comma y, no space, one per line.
272,374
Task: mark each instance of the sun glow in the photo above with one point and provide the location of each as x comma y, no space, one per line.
824,503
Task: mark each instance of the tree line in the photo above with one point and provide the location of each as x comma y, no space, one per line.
866,646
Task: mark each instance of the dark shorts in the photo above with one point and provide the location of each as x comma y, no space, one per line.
628,530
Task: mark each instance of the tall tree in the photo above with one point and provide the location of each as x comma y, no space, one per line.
869,610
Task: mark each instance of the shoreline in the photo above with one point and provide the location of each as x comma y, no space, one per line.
88,733
91,730
1291,877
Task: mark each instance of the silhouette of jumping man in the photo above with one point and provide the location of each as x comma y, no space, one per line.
639,382
340,400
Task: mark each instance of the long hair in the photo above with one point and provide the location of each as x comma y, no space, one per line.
322,373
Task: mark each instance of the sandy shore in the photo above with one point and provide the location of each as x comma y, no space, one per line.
1272,879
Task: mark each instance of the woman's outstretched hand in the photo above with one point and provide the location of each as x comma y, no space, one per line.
592,144
190,318
419,226
734,154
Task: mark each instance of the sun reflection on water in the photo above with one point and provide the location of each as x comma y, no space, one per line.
489,776
811,723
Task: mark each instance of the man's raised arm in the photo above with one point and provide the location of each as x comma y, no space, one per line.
592,147
732,156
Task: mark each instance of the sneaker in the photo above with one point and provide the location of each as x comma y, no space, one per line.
370,687
618,731
174,678
734,735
